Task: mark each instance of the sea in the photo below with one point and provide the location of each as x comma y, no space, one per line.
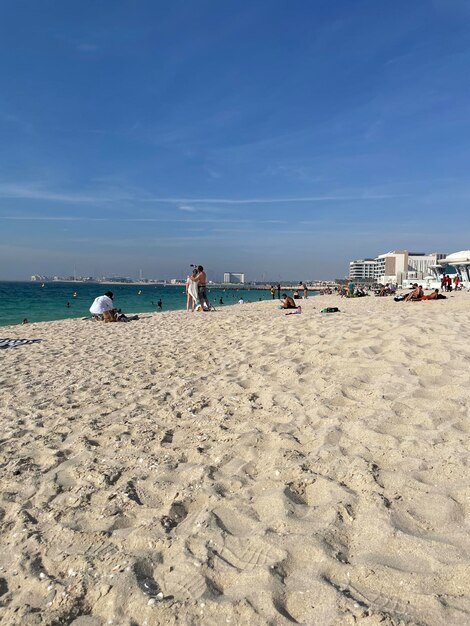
42,302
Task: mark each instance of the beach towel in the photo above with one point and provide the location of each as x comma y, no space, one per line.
12,343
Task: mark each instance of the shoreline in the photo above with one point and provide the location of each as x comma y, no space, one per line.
242,467
66,301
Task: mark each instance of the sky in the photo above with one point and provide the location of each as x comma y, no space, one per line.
281,139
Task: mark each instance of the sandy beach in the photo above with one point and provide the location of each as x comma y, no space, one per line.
239,467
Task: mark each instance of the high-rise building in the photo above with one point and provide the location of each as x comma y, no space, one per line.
234,278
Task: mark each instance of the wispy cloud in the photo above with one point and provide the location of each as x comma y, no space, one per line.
322,198
186,220
32,192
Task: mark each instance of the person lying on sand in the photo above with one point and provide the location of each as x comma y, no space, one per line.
435,295
287,302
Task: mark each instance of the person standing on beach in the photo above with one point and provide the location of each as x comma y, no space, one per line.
273,291
278,291
191,290
201,288
305,288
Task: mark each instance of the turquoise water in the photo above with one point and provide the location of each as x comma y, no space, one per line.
40,304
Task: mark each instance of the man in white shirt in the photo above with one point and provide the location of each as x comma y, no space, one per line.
103,304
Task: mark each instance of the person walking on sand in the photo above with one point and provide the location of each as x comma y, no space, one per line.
191,291
201,288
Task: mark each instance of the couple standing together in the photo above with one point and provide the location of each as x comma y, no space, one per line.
196,289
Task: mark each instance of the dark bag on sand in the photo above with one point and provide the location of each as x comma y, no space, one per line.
399,298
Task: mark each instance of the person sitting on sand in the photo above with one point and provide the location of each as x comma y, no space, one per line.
416,294
103,304
287,302
103,309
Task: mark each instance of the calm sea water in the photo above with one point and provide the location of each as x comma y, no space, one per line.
39,304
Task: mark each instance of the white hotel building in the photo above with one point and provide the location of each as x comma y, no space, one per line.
236,278
362,269
396,266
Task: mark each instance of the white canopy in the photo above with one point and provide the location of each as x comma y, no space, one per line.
457,257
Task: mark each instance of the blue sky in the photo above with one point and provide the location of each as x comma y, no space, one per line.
272,137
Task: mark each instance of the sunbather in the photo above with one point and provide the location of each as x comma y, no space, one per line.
435,295
416,294
287,302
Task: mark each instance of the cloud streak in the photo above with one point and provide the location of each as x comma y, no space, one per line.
294,199
29,192
188,220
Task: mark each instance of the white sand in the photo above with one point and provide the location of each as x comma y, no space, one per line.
249,467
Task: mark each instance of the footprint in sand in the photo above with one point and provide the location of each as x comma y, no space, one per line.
249,553
184,582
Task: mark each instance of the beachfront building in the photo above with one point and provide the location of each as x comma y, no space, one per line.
234,278
420,264
362,269
396,267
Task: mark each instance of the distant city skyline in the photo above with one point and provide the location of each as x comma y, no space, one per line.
278,140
